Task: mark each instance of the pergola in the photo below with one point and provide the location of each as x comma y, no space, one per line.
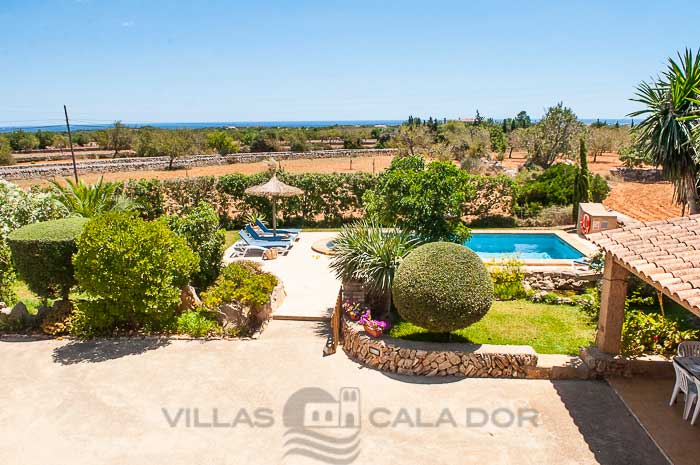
664,254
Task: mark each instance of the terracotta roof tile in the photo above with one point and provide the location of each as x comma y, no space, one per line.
665,253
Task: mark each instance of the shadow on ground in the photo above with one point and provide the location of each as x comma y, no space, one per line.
611,432
104,349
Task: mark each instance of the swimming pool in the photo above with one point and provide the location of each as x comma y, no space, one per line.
524,246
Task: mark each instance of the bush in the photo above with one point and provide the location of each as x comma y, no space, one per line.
6,157
442,287
7,275
507,280
200,228
644,333
243,282
493,221
132,272
196,324
42,252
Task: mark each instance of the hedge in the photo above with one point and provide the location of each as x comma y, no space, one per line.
42,253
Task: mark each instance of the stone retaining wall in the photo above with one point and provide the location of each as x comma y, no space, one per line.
47,170
436,359
638,174
564,280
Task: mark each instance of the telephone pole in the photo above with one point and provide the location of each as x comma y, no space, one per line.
70,141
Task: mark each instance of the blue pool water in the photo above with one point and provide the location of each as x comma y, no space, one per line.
491,246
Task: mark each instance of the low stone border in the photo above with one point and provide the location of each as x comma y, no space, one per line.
602,365
638,174
40,170
436,359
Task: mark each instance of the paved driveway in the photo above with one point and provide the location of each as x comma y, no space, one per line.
102,403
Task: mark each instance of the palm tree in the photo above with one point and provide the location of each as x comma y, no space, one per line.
668,135
88,200
366,252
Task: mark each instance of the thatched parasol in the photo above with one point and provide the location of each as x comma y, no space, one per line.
272,189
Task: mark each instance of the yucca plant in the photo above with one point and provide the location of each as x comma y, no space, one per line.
88,200
366,252
668,135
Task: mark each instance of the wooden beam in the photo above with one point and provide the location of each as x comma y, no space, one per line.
612,306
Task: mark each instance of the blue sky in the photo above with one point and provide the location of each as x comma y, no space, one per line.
216,60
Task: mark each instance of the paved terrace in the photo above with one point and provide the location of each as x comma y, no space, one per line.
66,402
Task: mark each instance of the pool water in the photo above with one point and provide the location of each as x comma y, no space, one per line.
544,246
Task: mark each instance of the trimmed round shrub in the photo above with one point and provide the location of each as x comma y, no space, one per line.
442,286
132,272
42,253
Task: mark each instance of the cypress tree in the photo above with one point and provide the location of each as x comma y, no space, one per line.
582,181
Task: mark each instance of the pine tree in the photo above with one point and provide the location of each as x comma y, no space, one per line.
582,180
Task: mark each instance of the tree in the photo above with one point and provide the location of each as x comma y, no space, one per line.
265,142
6,157
668,134
21,141
116,138
223,143
553,136
516,140
412,138
426,200
60,142
582,180
522,120
600,140
174,144
44,138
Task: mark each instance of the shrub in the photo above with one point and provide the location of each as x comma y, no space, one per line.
200,228
59,320
88,200
42,252
132,272
367,253
6,157
196,324
652,333
7,275
243,282
442,287
493,221
507,280
19,207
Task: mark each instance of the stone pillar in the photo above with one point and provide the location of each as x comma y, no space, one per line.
612,306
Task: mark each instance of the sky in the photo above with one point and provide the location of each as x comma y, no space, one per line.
297,60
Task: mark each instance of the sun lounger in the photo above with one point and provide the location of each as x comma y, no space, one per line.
267,230
268,237
247,243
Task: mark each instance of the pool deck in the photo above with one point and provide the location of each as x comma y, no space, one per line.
309,283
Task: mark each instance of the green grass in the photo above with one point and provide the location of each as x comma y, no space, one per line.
31,300
231,238
549,329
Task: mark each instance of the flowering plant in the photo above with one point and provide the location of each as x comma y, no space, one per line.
355,310
374,328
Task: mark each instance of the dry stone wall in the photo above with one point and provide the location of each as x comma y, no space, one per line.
436,359
47,170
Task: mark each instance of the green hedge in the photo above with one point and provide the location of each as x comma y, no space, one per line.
42,254
442,287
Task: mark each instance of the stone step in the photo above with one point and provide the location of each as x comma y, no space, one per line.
556,366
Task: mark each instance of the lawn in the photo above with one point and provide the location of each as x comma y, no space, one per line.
549,329
231,238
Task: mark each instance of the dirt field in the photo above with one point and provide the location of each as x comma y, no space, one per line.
602,165
323,165
643,201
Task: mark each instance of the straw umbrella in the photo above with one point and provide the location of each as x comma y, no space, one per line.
273,189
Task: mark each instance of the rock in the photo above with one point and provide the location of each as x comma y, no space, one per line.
188,299
19,313
3,305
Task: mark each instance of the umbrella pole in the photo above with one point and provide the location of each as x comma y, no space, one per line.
274,217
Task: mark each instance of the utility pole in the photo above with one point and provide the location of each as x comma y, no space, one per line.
70,141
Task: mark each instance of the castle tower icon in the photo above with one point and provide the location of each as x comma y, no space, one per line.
343,413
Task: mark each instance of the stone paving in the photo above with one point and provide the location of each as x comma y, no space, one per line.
68,402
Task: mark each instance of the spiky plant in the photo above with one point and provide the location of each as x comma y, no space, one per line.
366,252
88,200
669,132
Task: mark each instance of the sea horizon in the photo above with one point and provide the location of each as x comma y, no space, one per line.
248,124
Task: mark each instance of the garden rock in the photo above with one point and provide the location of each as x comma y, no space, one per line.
188,299
19,313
